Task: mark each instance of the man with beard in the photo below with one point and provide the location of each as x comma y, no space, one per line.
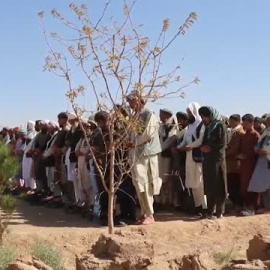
259,125
191,143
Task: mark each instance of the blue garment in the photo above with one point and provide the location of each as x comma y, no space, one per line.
260,181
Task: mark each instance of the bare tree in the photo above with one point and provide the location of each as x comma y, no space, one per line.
113,57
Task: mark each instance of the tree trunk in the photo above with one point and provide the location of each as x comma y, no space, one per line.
111,212
111,183
1,229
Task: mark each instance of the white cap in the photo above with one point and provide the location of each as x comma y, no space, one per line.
72,116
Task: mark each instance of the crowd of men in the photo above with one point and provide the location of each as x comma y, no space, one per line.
192,161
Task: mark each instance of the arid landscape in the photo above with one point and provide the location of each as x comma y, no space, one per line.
173,236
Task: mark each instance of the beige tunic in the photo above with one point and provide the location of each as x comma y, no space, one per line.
145,170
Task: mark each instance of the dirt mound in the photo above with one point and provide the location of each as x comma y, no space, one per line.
259,248
33,264
124,250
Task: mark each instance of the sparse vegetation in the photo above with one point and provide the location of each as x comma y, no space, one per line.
224,257
8,206
47,253
8,169
7,256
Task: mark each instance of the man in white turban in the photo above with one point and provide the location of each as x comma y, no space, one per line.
192,141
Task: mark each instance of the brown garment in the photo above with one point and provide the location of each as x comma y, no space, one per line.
248,143
59,152
233,149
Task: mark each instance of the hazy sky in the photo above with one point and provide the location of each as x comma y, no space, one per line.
228,48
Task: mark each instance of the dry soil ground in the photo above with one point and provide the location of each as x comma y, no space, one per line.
173,235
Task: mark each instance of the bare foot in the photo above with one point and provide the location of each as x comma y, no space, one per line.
148,221
140,220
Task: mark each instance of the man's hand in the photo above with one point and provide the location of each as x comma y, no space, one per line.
241,156
38,152
184,149
261,153
79,153
206,149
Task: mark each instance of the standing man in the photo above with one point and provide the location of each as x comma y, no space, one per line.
214,164
259,125
261,176
40,144
191,144
144,158
59,151
27,163
180,194
83,177
50,160
72,139
167,132
5,135
248,158
233,164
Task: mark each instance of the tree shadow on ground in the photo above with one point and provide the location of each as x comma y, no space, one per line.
42,216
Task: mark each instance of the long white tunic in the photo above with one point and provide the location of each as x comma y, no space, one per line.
145,169
194,176
27,166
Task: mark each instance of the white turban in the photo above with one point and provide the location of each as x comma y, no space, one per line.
45,122
53,124
72,116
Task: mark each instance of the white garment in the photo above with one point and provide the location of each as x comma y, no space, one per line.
93,177
27,167
199,197
192,128
71,167
194,174
145,168
31,133
84,179
49,148
50,177
146,172
171,122
145,176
